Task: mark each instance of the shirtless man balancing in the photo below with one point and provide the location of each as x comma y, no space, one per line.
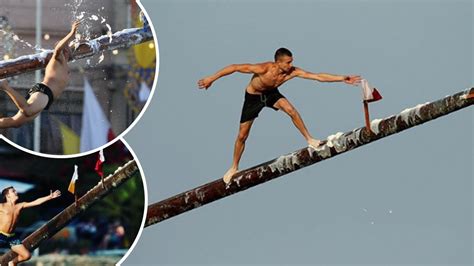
9,212
42,95
262,91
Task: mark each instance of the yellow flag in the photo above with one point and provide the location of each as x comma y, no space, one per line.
71,140
145,54
72,185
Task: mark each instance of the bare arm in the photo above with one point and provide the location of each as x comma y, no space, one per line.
325,77
242,68
64,41
42,200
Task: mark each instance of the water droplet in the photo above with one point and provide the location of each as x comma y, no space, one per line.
101,58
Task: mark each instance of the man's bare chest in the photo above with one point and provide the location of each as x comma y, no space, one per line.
271,80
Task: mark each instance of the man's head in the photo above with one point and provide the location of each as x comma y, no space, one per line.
9,194
284,59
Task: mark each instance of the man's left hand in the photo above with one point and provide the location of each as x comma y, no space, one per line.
353,80
55,194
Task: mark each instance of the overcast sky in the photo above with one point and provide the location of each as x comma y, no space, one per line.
412,206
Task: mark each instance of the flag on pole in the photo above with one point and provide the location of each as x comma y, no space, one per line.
98,164
96,130
72,184
369,94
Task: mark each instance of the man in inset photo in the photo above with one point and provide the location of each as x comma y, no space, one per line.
9,213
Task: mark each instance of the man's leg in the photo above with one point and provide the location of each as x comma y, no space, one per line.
284,105
23,254
244,130
33,106
15,121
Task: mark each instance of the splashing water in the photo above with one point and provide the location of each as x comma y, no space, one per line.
10,42
90,21
101,58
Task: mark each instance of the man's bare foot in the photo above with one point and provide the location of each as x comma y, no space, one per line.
11,263
228,175
314,143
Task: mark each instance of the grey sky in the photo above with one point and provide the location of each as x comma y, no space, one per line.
412,206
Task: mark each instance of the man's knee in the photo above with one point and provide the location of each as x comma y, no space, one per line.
291,111
27,111
242,136
26,255
23,253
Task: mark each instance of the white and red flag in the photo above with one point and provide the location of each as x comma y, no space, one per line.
369,94
99,163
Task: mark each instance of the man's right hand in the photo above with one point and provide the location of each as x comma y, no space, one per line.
205,83
75,25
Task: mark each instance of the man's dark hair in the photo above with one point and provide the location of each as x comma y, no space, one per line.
281,52
5,192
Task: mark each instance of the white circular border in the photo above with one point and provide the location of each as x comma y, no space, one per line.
123,133
145,203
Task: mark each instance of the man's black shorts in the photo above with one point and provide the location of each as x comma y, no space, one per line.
9,240
40,87
254,103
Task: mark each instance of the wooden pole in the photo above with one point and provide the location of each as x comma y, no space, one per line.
285,164
119,40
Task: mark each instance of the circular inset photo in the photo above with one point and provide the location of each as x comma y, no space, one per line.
74,75
86,210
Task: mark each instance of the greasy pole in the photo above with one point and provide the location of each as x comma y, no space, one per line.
121,39
122,174
334,145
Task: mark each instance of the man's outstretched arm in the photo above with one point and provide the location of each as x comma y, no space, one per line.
42,200
325,77
65,41
242,68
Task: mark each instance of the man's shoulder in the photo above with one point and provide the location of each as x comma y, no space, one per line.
296,71
265,66
19,205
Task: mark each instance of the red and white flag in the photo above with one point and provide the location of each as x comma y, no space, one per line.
99,163
369,94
